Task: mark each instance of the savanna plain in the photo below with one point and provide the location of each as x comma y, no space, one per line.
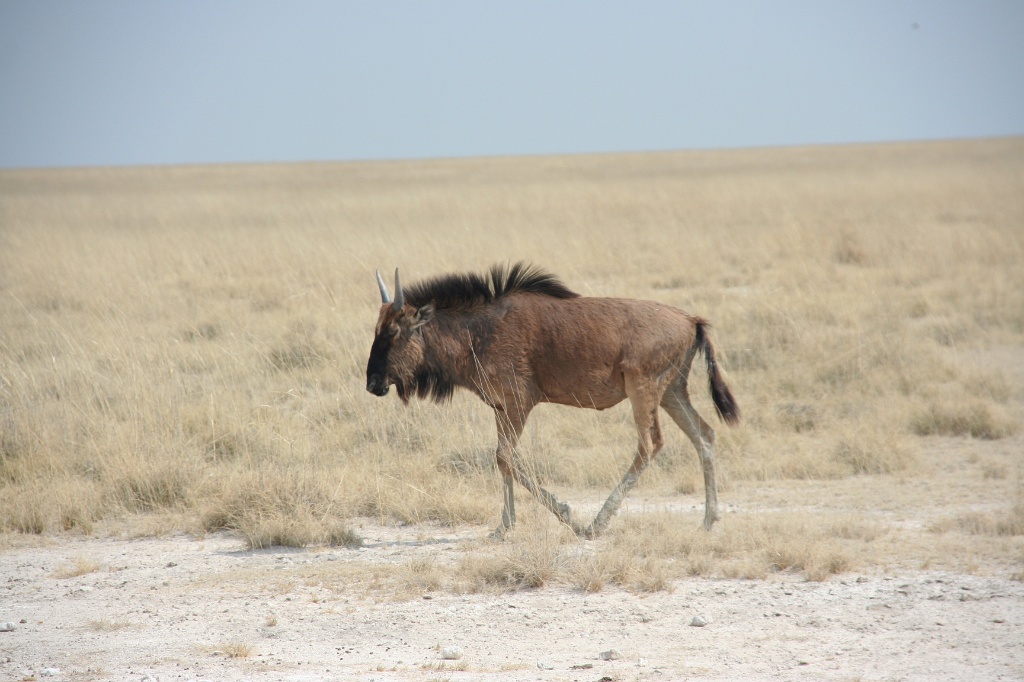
195,484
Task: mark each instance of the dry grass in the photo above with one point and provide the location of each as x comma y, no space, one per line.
189,344
108,625
230,649
76,567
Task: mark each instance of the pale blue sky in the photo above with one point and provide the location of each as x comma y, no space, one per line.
128,82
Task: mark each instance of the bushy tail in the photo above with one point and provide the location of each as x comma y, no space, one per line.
725,404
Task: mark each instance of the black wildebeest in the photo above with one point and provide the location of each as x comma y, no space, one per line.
520,337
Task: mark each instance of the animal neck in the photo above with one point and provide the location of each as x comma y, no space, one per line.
455,342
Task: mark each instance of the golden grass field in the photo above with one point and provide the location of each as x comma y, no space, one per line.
183,349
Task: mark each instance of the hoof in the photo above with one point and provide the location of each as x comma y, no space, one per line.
564,514
499,534
587,532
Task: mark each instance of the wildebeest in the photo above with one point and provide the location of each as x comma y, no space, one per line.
519,337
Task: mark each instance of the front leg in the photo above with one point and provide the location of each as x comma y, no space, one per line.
510,427
508,509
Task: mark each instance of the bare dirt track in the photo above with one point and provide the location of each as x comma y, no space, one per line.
184,608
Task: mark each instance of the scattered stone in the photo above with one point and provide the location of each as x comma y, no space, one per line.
581,666
8,627
451,653
642,663
610,655
49,672
544,665
698,621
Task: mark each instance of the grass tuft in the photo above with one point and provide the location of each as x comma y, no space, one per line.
970,417
76,567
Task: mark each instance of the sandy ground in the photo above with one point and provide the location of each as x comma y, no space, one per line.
177,608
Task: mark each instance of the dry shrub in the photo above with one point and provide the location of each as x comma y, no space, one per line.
988,386
418,576
152,486
538,552
775,457
872,452
286,508
634,573
520,565
411,493
68,505
107,625
26,513
293,530
73,517
747,546
1007,523
76,567
967,417
236,649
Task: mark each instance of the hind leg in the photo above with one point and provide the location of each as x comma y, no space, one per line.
643,394
676,402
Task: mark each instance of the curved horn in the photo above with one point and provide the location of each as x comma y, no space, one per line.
399,294
385,297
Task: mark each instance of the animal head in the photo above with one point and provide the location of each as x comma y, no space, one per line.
396,356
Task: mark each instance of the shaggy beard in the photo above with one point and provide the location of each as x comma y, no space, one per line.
402,392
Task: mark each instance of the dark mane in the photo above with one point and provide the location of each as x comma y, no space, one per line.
461,291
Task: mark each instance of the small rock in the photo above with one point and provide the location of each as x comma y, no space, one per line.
49,672
544,665
698,621
610,655
451,653
8,627
642,663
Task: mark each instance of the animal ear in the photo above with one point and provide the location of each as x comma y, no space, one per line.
422,315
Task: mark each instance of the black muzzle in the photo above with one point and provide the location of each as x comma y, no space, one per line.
377,385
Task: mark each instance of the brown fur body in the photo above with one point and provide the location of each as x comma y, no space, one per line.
522,339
